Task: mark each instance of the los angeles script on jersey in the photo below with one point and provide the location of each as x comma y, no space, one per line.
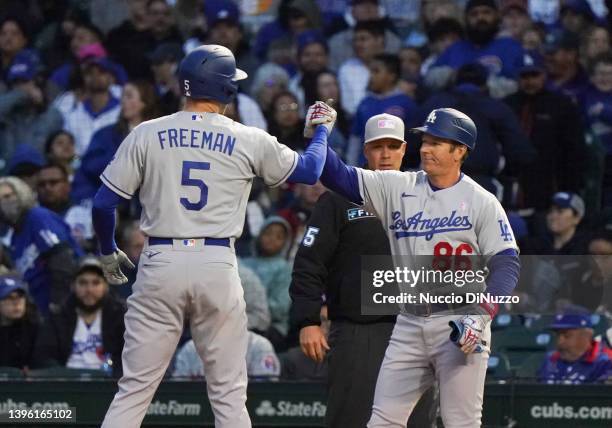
417,225
196,139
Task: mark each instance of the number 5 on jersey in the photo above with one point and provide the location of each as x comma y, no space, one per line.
186,180
310,236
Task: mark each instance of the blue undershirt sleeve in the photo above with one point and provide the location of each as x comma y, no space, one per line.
103,217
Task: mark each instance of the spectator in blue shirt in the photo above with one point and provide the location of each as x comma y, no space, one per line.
500,55
25,114
385,97
13,40
578,358
41,246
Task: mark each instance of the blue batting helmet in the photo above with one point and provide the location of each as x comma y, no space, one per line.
209,72
452,125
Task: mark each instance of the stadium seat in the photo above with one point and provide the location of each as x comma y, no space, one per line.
503,321
7,373
64,372
498,367
520,343
530,365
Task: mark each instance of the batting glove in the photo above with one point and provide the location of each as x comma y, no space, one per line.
319,114
467,333
111,265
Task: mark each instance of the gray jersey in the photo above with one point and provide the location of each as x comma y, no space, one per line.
460,220
194,172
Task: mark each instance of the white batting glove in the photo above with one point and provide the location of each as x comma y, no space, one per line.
111,265
467,333
319,114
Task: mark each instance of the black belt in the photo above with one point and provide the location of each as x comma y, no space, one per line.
218,242
427,309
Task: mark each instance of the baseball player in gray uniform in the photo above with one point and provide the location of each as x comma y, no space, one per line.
194,171
437,211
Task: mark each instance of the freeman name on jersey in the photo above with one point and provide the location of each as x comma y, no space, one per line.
196,139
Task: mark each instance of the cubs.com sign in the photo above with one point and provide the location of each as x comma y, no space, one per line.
300,409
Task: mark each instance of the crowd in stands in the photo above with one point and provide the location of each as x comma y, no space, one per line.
77,76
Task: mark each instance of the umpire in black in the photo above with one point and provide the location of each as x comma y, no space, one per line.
327,265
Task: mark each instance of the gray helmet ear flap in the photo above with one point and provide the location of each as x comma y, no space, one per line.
209,72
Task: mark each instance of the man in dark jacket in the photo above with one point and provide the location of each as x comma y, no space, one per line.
87,332
19,323
553,124
327,262
500,144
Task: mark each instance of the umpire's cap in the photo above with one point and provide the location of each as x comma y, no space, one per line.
209,72
384,126
450,124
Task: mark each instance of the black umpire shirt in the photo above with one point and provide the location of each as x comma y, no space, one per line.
328,262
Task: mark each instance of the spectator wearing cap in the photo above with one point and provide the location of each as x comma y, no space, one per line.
341,44
552,123
500,55
20,323
515,19
565,73
597,110
14,39
131,41
384,97
578,358
86,41
87,331
354,73
24,112
562,235
223,19
164,61
53,190
499,132
312,59
25,164
40,244
270,80
98,108
576,16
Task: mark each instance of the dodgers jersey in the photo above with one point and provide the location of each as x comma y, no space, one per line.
463,218
194,172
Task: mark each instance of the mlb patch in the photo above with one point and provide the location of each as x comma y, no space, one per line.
197,117
189,242
386,123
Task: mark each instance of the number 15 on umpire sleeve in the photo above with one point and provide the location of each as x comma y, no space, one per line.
186,180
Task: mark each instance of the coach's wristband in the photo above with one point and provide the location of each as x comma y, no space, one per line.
490,308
